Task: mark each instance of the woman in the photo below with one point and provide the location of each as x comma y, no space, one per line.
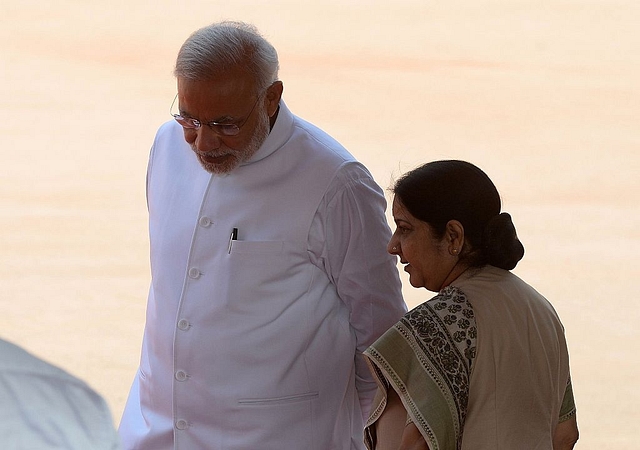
484,364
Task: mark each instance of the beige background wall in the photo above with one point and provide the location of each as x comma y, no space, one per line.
543,95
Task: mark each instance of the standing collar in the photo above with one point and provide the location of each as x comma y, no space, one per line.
280,133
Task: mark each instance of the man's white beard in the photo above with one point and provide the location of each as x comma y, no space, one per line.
235,157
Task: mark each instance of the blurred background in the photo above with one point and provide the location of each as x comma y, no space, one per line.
544,96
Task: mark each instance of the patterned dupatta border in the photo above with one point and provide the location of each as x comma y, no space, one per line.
426,357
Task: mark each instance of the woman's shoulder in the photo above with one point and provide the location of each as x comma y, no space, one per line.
494,292
488,278
450,310
449,299
444,329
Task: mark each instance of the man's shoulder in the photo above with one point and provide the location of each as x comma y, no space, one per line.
320,141
319,145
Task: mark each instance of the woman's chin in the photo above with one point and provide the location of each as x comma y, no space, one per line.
418,282
415,282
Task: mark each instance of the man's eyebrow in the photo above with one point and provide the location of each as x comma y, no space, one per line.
222,119
184,113
225,119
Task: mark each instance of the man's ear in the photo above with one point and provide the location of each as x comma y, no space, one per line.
454,235
274,94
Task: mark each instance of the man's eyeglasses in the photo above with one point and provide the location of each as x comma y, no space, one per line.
225,129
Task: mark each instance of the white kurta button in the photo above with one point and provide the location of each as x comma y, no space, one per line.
181,375
182,424
194,273
205,221
183,324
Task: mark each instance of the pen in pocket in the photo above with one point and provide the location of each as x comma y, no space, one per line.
233,237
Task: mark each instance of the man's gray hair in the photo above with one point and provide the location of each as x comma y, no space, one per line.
218,47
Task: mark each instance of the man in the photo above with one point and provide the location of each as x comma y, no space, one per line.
269,269
43,407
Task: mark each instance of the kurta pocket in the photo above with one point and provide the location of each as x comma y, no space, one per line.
255,248
278,400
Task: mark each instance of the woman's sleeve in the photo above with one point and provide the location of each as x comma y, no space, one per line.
568,408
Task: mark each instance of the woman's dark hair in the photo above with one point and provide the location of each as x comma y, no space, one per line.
440,191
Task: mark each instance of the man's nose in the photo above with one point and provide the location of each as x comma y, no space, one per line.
207,139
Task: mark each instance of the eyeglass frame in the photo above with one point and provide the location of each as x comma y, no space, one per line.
215,126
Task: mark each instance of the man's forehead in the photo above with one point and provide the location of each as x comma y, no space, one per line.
219,100
225,83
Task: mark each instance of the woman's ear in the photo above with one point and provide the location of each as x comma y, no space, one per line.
454,235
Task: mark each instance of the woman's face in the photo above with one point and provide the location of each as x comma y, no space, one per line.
427,258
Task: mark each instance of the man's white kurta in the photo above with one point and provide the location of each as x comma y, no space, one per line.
256,343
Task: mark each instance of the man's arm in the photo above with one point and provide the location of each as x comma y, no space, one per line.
356,234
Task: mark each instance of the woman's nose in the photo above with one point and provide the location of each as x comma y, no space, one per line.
393,246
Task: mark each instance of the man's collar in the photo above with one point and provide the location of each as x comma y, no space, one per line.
280,133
